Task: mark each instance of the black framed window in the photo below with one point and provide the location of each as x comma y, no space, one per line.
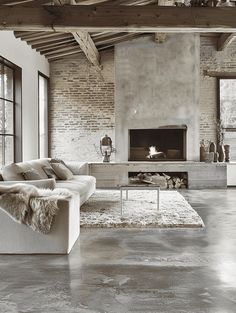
227,113
43,90
7,113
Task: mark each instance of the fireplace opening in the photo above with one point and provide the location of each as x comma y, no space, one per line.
167,143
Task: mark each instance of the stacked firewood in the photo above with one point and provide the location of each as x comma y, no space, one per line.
163,180
175,182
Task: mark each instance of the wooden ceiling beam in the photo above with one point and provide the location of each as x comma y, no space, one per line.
108,44
118,18
23,2
225,40
63,54
22,34
37,35
40,47
63,49
86,43
55,48
88,47
113,38
51,39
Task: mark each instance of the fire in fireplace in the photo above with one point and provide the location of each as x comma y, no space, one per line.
167,143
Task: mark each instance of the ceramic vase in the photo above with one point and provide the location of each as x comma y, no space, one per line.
221,153
202,154
212,147
227,153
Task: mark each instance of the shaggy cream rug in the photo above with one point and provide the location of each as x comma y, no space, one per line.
103,210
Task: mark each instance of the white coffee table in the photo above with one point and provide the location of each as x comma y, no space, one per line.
126,188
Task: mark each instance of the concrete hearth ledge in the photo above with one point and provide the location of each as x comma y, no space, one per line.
201,175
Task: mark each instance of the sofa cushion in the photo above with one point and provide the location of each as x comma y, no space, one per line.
12,172
31,174
62,171
78,168
56,160
83,185
50,172
37,165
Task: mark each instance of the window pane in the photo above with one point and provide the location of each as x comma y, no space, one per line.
8,83
1,150
6,117
228,102
43,117
9,118
1,80
9,149
230,139
1,116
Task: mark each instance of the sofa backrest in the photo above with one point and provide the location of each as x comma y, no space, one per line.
13,170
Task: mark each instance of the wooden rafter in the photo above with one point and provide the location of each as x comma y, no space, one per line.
63,54
23,2
85,42
73,46
52,45
225,40
51,39
118,18
88,47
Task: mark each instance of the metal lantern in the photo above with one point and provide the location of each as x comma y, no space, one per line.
106,148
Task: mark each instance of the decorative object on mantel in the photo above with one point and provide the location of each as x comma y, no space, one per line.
221,151
103,210
208,151
212,148
216,156
227,153
106,148
204,148
209,157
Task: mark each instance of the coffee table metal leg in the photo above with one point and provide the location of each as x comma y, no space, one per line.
158,199
126,194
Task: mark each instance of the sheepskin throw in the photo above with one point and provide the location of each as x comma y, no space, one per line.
31,206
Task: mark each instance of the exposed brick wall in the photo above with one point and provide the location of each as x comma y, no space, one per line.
81,108
212,60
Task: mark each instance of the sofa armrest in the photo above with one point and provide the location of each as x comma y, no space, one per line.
42,183
78,168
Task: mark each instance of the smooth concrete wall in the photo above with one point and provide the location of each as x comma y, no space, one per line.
19,53
157,85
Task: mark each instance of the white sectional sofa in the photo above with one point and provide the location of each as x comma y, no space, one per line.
19,239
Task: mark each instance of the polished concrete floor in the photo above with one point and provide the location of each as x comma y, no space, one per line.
127,270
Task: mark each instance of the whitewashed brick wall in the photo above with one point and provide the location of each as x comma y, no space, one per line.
82,107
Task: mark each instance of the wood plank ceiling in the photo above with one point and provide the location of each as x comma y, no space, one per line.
55,45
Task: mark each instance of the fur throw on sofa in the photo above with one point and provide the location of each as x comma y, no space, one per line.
32,206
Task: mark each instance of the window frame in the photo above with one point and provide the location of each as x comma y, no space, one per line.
224,129
40,74
6,63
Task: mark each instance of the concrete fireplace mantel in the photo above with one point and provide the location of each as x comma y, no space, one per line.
200,175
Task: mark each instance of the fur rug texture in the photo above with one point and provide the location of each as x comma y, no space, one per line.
31,206
103,210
